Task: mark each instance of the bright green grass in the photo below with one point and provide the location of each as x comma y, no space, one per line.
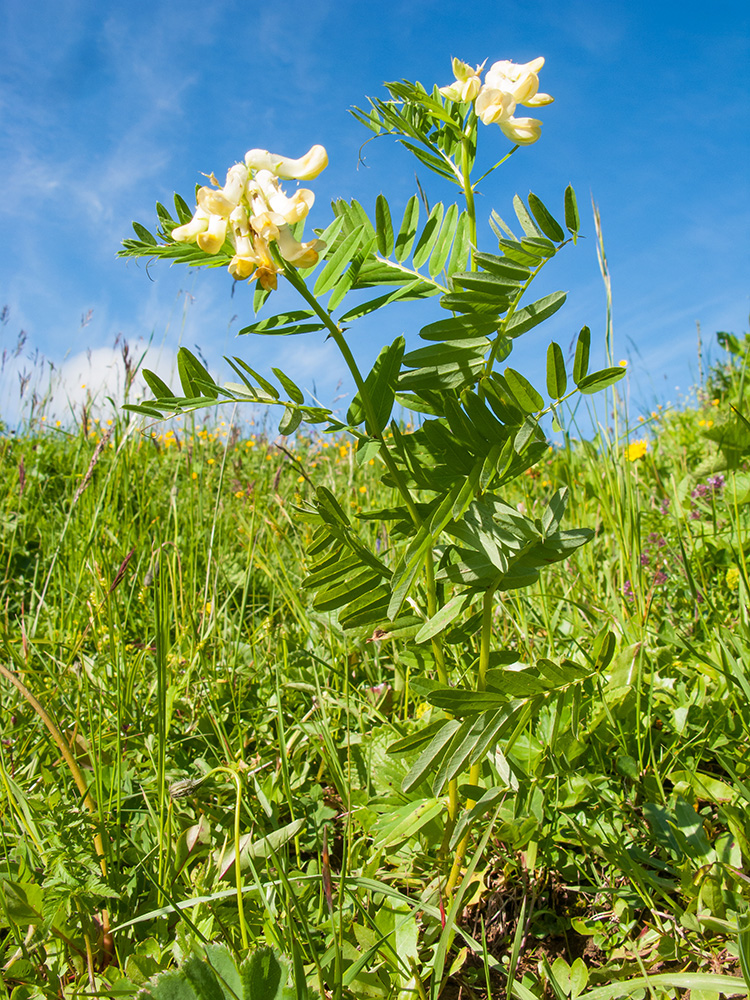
158,616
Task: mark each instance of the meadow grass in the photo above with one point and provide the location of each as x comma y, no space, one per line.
232,743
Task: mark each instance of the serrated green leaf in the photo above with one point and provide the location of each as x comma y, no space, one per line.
408,230
523,391
264,976
597,381
583,347
548,225
557,380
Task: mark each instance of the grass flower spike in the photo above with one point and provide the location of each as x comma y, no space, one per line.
251,211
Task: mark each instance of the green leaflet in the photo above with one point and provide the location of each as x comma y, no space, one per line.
431,756
528,225
157,385
143,234
532,315
442,619
459,257
581,362
549,226
380,386
444,242
293,390
557,380
429,236
286,324
383,226
523,391
339,260
495,286
572,219
503,267
408,230
597,381
466,327
194,377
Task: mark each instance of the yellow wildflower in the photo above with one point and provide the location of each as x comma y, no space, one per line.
636,450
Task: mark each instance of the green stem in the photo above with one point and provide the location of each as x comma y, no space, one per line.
475,771
338,337
237,860
469,196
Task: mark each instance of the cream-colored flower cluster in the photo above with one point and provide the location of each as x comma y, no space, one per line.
506,85
252,211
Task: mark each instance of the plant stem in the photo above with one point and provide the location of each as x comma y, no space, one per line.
474,774
469,196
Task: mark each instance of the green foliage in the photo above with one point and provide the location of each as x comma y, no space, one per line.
331,696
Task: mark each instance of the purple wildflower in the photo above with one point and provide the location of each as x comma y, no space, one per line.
659,578
627,591
665,505
645,559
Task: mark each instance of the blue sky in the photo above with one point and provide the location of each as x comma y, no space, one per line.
108,107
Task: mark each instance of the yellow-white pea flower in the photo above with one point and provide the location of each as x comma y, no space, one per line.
251,211
267,269
226,199
306,168
494,106
522,131
519,80
188,232
212,240
467,83
299,254
291,209
266,225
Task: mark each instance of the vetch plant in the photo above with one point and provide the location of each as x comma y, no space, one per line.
454,545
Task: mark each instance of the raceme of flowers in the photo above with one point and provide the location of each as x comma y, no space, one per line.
506,85
252,211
